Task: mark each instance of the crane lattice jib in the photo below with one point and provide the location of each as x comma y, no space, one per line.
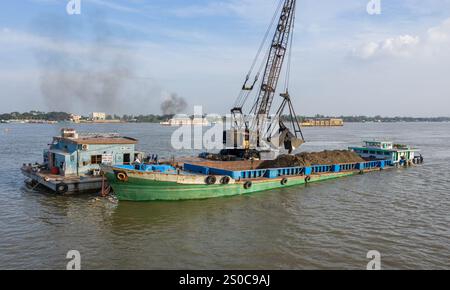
277,54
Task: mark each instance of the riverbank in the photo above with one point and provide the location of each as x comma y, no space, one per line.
35,116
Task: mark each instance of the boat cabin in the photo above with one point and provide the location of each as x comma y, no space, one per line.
383,150
76,154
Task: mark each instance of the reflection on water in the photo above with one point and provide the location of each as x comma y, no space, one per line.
401,213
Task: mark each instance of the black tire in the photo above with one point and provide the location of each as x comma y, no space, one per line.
307,179
62,188
284,181
122,176
225,180
248,185
210,180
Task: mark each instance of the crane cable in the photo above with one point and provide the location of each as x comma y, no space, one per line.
243,95
289,62
271,130
293,116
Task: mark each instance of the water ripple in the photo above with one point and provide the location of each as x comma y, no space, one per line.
402,213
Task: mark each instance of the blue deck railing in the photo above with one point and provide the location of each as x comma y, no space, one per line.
289,171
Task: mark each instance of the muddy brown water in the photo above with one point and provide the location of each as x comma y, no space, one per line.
403,213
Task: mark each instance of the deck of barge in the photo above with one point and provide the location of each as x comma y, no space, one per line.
70,184
240,170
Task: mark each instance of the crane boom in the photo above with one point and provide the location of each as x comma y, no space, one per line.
274,65
251,135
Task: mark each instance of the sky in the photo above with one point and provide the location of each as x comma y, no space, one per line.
127,57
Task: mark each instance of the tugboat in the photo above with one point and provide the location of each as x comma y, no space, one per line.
71,164
398,154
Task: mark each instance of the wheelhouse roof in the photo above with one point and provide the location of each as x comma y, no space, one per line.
388,150
99,140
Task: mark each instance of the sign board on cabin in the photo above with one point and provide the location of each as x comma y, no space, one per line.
107,159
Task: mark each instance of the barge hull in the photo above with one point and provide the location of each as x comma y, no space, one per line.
138,188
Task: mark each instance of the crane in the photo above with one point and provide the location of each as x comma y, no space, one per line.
258,132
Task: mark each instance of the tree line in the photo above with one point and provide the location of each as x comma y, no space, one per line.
36,115
152,118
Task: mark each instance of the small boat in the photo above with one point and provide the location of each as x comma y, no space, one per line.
210,179
71,164
384,150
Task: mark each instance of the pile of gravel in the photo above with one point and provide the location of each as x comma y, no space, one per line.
314,158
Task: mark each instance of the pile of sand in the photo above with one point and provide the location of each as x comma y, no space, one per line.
315,158
219,157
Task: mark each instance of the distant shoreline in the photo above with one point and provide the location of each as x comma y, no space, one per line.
61,117
25,122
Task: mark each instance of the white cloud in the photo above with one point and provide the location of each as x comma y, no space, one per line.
367,50
403,45
435,40
440,34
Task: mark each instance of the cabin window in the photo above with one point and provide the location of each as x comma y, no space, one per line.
96,159
373,152
387,153
127,158
366,152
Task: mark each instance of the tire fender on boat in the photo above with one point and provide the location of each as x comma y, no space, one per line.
248,185
307,179
122,176
225,180
62,188
284,181
210,180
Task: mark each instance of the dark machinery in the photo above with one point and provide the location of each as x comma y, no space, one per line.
257,132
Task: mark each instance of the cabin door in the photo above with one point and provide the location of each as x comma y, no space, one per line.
53,160
127,159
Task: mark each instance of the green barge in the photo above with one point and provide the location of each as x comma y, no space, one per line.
211,179
257,133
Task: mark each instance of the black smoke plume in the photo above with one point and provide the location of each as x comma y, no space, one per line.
94,74
173,105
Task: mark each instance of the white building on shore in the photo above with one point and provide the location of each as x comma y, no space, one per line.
186,121
96,116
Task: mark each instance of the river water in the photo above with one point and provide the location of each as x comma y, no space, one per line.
404,213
